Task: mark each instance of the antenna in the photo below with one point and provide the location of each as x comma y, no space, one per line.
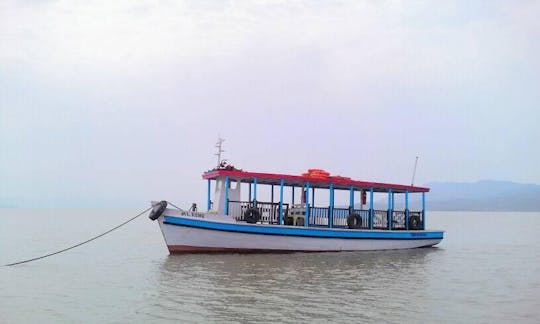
414,171
219,145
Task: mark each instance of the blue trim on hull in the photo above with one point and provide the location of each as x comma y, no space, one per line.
303,231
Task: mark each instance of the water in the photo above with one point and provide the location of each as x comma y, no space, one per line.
487,269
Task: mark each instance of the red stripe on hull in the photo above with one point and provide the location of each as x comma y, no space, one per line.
176,249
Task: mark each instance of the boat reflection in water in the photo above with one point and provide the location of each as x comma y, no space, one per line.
292,287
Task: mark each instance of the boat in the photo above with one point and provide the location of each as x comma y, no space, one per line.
240,221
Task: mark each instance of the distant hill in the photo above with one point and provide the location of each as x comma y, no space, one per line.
486,195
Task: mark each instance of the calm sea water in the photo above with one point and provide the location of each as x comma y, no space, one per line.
486,270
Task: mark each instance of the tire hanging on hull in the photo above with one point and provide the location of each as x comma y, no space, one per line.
158,210
415,223
354,221
252,215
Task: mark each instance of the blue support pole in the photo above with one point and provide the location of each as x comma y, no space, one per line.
292,193
371,208
423,210
306,218
407,209
208,201
255,191
226,195
281,183
390,207
351,200
331,208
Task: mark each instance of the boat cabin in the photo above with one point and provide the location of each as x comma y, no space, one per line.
294,204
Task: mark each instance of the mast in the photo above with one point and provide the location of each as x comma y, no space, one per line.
220,150
414,171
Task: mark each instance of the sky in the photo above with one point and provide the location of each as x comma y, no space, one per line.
115,103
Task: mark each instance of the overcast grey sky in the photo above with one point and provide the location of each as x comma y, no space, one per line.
104,102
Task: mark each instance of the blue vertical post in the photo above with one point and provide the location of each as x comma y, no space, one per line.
407,209
272,198
306,218
255,191
281,183
423,210
226,195
371,208
392,216
351,200
331,208
208,201
292,193
390,207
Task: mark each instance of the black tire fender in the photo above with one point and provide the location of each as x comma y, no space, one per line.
354,221
158,209
414,222
252,215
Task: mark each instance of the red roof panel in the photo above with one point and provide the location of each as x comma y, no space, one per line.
317,181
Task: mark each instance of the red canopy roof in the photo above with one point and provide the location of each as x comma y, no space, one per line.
315,181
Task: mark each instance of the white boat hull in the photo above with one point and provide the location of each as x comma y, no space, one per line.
187,235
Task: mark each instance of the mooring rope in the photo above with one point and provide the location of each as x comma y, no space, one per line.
170,203
79,244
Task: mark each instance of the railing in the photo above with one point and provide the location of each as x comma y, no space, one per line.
340,217
269,211
318,216
380,219
364,215
398,220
